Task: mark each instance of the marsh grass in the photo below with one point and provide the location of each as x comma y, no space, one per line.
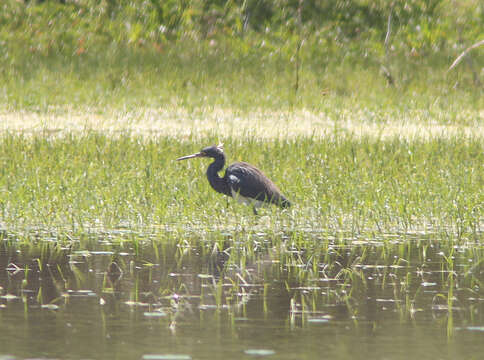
89,137
355,120
412,278
336,183
243,74
386,179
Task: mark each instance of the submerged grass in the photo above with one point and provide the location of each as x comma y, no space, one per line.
382,163
338,183
409,277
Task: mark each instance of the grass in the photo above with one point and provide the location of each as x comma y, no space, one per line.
43,70
407,277
336,183
130,72
386,179
204,122
192,76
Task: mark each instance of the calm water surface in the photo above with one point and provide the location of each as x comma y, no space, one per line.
128,297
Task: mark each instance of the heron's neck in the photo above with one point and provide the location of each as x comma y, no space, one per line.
218,184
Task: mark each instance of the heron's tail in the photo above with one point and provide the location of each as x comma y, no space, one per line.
284,203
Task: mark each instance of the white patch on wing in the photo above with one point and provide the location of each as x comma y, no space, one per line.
234,179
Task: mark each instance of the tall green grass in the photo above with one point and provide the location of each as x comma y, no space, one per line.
192,75
336,183
92,56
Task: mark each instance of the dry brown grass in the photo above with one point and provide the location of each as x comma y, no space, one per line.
179,122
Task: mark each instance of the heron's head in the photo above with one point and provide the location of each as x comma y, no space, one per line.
214,151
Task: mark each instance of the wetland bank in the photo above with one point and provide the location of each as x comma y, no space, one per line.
109,248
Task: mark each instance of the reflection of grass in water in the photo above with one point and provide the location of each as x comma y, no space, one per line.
312,279
363,184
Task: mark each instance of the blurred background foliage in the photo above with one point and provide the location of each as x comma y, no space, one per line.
419,27
257,53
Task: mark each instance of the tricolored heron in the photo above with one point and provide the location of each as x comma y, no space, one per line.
242,181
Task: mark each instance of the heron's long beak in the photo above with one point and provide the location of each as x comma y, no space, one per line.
191,156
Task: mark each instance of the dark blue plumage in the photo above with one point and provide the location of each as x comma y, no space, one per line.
241,180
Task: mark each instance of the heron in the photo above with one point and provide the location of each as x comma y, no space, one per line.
242,181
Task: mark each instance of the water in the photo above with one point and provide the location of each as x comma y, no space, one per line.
131,297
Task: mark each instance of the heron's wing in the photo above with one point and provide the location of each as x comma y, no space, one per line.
250,182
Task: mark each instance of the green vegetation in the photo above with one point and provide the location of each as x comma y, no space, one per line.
100,56
349,106
336,184
405,283
359,163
